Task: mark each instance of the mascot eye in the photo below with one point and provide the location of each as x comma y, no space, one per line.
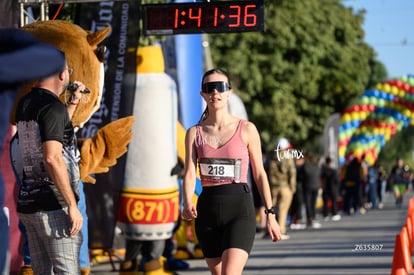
100,52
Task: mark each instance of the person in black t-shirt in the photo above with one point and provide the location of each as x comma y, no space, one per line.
48,190
330,189
18,50
311,185
398,181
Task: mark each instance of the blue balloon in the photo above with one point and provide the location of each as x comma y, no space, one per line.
382,95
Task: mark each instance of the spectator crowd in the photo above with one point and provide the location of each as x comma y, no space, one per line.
308,189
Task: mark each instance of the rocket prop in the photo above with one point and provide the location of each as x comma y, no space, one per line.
149,203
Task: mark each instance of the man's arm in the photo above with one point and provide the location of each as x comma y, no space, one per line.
57,169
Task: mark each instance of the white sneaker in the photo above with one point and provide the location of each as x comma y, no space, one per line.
296,226
285,237
316,225
336,217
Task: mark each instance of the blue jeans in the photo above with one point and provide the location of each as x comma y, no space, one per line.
84,250
373,194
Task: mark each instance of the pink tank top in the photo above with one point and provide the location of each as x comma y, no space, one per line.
227,164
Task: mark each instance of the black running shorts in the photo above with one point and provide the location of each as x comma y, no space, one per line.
226,219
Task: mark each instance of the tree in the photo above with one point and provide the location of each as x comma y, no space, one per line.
307,64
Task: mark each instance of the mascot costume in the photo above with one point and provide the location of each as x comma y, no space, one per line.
149,203
185,233
85,56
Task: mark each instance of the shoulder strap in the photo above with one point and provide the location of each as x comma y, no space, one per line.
16,158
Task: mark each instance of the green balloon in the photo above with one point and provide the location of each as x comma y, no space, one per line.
381,102
365,100
390,119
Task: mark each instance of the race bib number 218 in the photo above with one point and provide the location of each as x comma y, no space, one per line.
220,169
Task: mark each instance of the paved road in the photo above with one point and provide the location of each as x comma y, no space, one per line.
335,248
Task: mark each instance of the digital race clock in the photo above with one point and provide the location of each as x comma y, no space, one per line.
203,17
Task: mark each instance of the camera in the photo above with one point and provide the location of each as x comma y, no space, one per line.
72,87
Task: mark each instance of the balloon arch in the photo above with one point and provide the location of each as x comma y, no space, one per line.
374,117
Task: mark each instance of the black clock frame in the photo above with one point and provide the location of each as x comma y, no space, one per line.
203,17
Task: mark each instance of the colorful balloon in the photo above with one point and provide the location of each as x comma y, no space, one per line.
375,117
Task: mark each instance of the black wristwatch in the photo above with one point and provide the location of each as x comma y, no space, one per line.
270,211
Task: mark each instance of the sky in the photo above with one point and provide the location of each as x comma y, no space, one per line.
389,29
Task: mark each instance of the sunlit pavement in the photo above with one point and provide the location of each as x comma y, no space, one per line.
360,244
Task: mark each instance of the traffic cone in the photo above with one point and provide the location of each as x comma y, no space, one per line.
411,220
411,207
409,226
406,249
398,267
